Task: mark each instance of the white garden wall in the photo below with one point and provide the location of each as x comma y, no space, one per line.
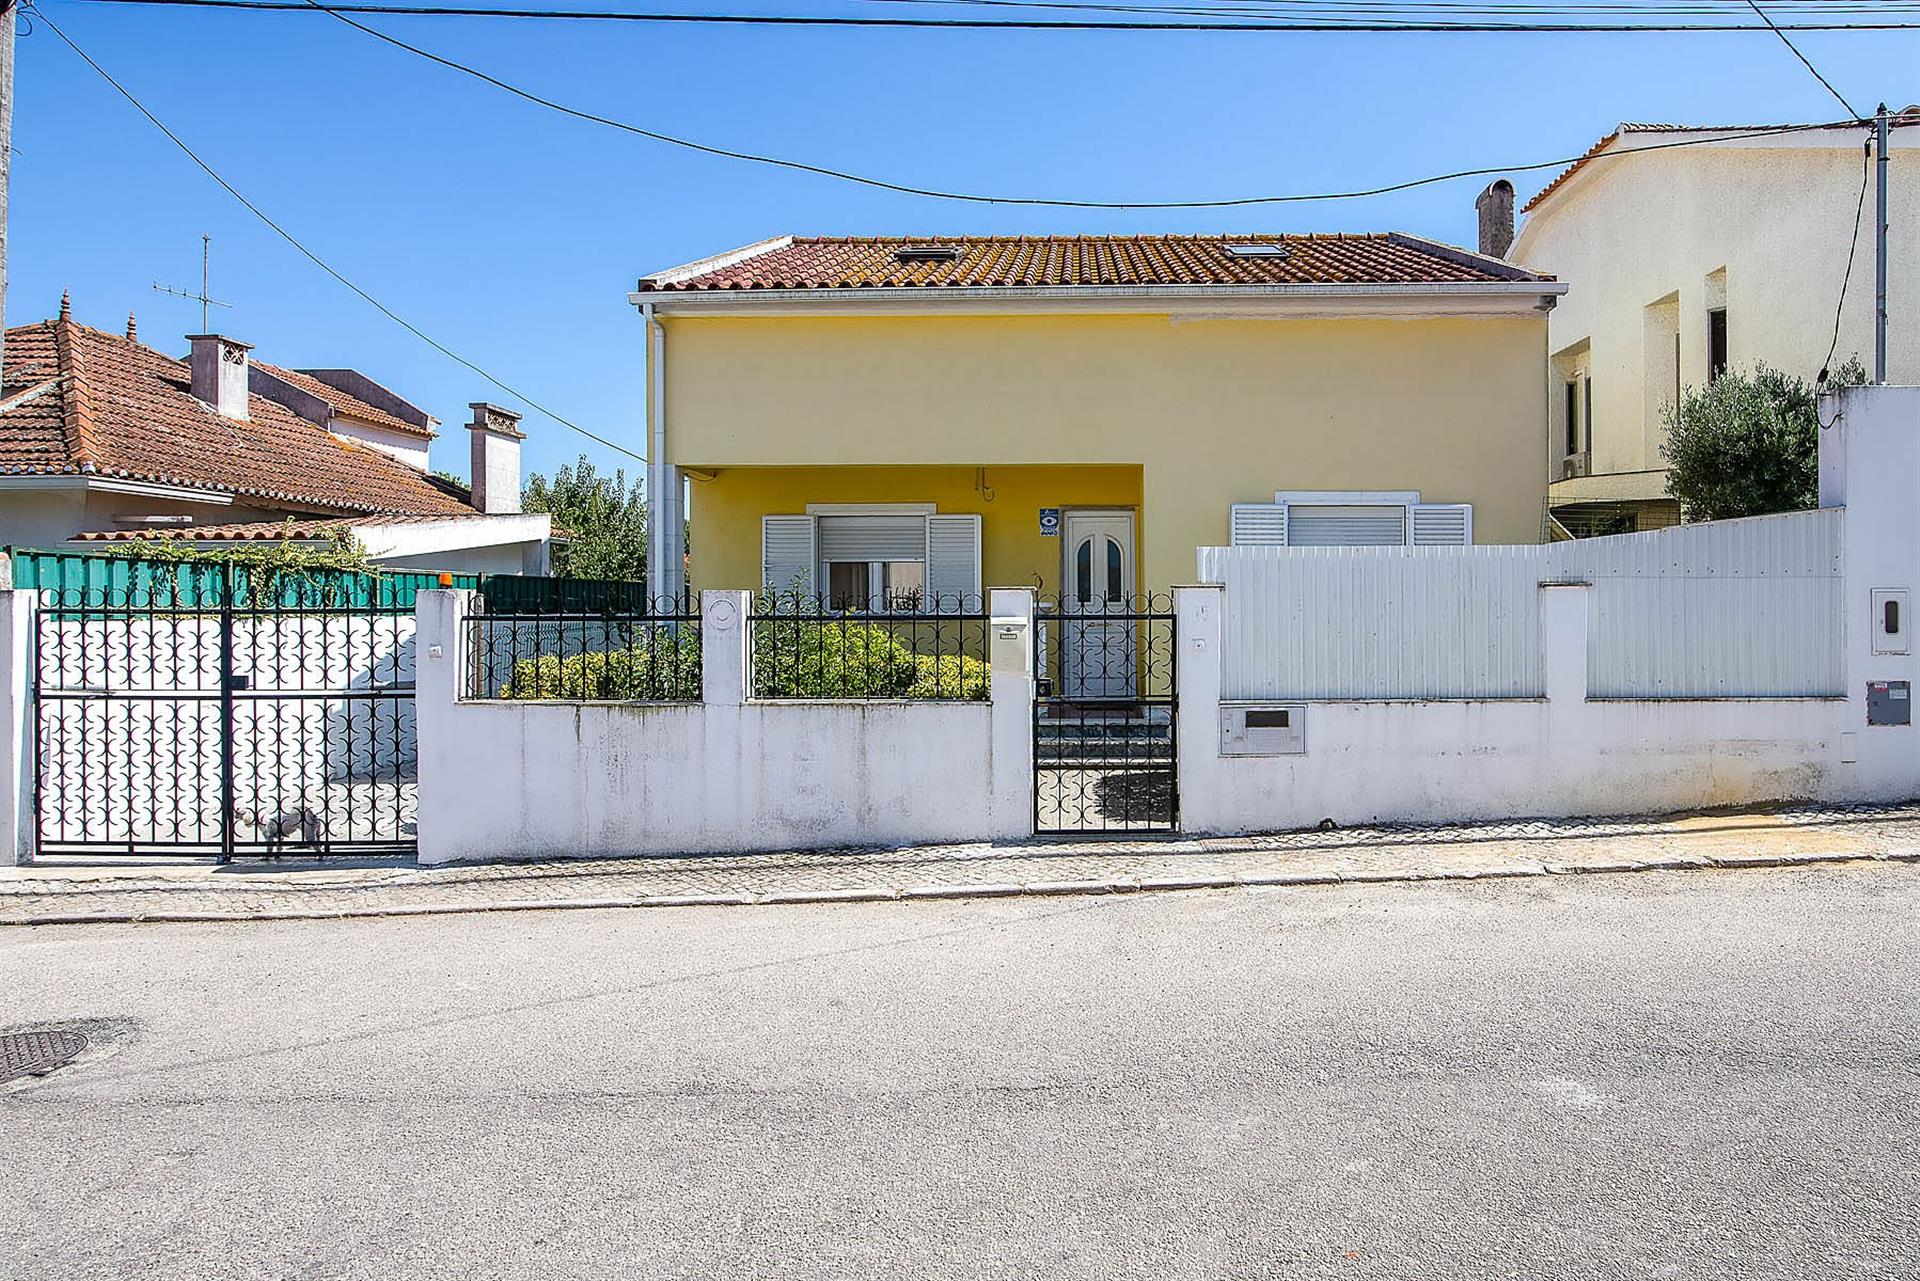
518,779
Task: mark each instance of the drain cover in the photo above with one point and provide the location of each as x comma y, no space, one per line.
31,1053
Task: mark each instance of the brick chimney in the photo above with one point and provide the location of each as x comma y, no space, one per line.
496,459
219,373
1496,218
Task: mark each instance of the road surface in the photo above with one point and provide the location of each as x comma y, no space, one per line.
1692,1075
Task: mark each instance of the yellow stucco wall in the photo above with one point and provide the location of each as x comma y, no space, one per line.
1209,412
726,511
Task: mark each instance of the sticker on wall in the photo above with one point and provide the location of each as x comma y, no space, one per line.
1049,522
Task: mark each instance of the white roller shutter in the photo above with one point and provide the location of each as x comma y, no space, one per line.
953,563
786,553
1258,525
1314,525
871,537
1442,524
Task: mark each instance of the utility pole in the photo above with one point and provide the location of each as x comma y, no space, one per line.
1880,247
8,8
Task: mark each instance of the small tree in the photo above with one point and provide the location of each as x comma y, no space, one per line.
605,517
1747,444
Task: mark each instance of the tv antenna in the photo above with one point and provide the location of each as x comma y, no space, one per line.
204,297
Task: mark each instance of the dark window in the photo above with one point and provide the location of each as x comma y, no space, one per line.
1716,343
1586,407
1083,571
1113,570
1573,418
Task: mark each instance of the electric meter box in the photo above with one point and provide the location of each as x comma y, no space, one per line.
1263,729
1888,703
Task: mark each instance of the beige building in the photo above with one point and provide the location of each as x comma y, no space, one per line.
880,419
1686,260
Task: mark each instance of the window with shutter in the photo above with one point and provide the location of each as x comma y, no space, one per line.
1311,525
953,563
1258,525
787,553
1442,524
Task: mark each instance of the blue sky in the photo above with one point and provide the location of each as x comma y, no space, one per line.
513,235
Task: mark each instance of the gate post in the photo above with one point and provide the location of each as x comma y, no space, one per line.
1197,631
1011,686
18,615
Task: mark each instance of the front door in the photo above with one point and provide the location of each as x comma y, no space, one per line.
1097,658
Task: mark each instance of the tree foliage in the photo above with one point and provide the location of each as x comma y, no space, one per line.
604,517
1747,444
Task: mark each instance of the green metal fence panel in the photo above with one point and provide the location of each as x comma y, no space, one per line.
533,594
78,577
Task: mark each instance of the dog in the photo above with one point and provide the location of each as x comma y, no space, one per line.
278,828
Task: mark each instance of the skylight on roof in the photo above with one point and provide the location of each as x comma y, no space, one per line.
927,253
1257,249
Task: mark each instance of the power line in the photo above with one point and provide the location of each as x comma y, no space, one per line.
933,193
1804,59
321,263
1024,24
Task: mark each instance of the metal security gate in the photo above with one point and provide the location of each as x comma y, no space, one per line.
202,709
1105,716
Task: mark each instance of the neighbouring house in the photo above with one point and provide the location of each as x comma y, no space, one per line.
896,418
1686,260
104,440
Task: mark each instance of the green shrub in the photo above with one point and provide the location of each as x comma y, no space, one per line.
803,658
660,666
949,676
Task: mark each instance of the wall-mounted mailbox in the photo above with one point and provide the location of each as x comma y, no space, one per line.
1263,729
1889,703
1890,626
1011,645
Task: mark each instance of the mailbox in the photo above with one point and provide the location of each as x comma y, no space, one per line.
1263,729
1011,645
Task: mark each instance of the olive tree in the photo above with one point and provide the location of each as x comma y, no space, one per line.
1747,444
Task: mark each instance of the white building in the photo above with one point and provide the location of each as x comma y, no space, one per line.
103,439
1684,260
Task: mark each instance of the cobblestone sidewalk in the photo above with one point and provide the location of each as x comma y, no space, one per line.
72,893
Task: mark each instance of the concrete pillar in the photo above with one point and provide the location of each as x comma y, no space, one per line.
726,648
440,663
1199,671
1010,652
1870,466
17,743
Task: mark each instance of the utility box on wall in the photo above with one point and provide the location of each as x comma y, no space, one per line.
1263,729
1889,703
1889,622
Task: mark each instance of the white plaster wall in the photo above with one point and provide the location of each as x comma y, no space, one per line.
1777,214
506,780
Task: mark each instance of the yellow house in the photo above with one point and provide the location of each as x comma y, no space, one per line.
1692,250
909,418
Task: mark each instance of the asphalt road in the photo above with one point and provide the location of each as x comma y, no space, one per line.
1709,1074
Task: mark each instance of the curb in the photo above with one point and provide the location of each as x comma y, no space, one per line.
1007,889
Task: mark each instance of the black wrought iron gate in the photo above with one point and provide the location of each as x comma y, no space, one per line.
1105,717
214,710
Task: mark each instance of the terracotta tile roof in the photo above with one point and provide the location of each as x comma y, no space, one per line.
1907,117
124,410
850,262
268,531
342,403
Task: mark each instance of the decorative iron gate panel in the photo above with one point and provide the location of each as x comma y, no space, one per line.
212,710
1105,717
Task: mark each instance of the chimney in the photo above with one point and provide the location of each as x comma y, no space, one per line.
219,373
496,459
1496,218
